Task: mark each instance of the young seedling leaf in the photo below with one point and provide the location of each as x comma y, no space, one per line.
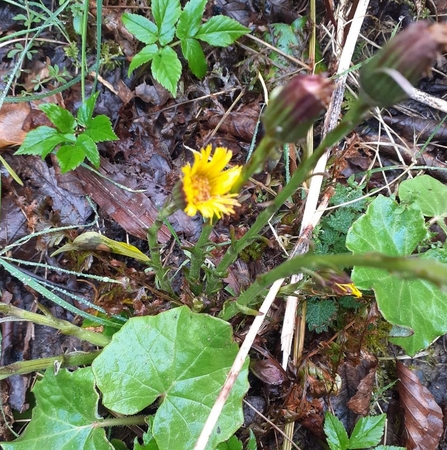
337,438
221,31
167,68
193,53
367,432
60,117
396,230
143,29
190,19
41,141
232,444
166,14
65,414
100,129
90,148
144,56
180,359
70,157
85,111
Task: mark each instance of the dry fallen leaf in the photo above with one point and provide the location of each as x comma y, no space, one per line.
12,119
422,415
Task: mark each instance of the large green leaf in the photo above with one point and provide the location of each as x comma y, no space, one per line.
146,55
336,435
167,68
166,14
85,111
190,19
60,117
90,148
41,141
100,129
192,51
396,230
143,29
70,156
221,31
65,415
368,432
180,359
429,194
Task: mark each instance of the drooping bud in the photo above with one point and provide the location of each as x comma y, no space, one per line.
294,107
389,76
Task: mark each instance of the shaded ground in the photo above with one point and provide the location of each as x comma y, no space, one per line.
155,131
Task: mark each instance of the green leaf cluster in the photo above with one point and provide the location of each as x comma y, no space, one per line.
170,21
398,230
367,433
177,362
320,314
330,235
74,137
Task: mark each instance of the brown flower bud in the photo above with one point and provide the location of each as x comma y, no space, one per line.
294,107
387,78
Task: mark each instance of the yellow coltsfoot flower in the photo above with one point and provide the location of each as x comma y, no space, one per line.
205,186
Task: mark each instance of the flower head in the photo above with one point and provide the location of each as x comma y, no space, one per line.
205,185
387,77
294,107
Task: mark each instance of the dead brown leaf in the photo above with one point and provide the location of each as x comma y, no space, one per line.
423,416
12,118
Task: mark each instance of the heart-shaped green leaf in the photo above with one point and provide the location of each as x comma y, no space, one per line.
65,415
180,358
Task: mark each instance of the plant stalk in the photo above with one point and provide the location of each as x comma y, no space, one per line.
63,326
70,360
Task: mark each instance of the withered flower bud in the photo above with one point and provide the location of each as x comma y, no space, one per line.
388,77
294,107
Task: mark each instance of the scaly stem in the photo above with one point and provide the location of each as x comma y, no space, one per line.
350,121
70,360
154,248
62,325
430,270
198,255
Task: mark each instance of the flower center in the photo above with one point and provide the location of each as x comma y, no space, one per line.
201,187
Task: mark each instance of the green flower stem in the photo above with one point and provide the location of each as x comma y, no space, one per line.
198,255
70,360
121,422
62,325
154,247
350,121
256,162
409,267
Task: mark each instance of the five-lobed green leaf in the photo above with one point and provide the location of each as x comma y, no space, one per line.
180,359
167,68
337,438
166,13
65,414
62,119
143,29
100,129
41,141
192,50
221,31
367,432
190,19
145,55
70,157
85,111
